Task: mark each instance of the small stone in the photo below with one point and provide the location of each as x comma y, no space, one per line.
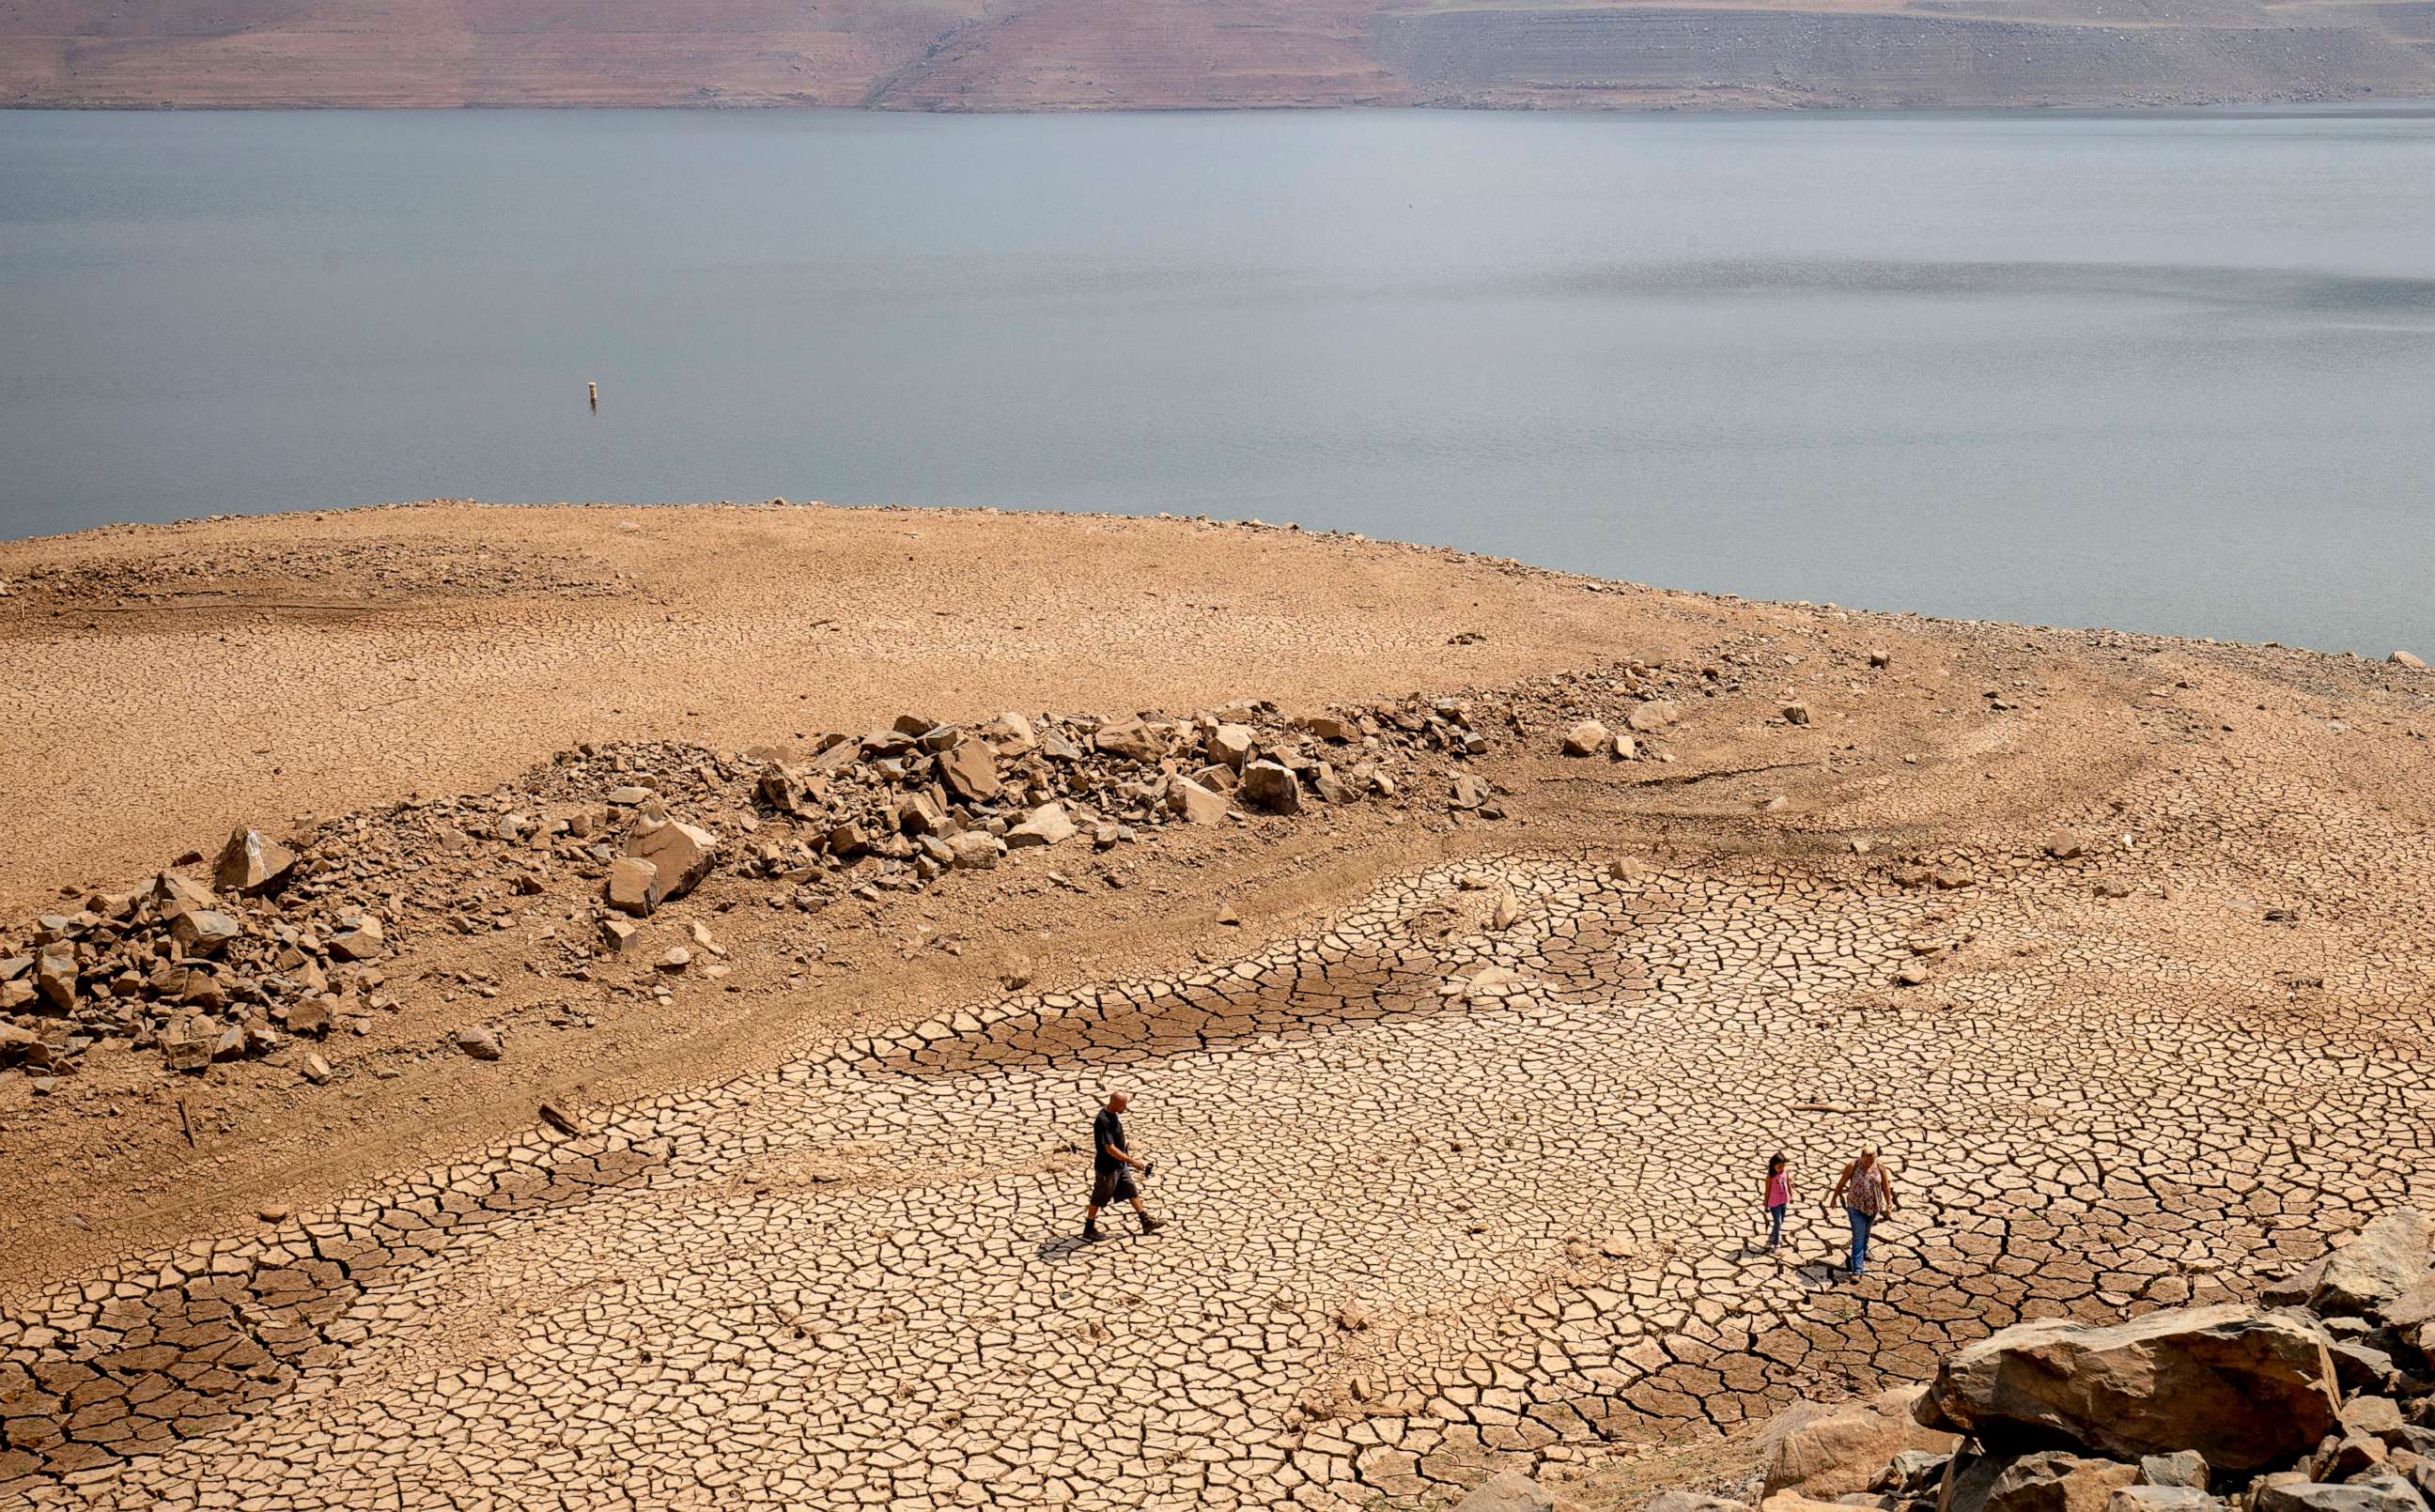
1230,745
1796,713
2403,659
316,1070
203,931
1046,825
1196,803
191,1051
479,1044
683,854
1588,738
633,885
676,959
975,850
1270,787
361,939
251,864
1131,739
1508,1492
55,975
311,1016
969,768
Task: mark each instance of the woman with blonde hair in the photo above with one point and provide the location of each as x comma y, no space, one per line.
1867,1192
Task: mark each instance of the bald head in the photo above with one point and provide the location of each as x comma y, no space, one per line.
1117,1102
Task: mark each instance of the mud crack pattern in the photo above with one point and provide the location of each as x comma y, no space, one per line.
1445,1196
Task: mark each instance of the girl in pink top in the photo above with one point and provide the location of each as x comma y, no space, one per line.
1779,1192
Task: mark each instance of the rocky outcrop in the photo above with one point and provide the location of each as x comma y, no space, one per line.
2243,1388
1824,1451
296,936
2226,1408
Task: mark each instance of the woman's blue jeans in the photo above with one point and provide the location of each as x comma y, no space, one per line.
1861,1223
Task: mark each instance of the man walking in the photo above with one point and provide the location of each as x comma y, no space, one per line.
1867,1194
1112,1170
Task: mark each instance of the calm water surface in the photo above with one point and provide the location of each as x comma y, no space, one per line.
2165,373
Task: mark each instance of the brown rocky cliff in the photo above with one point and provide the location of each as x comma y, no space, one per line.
1156,54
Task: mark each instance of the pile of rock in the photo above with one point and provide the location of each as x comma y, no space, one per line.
2320,1400
203,968
278,940
901,807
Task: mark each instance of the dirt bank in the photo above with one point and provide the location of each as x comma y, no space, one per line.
2119,939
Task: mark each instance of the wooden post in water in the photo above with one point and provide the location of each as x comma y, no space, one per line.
596,397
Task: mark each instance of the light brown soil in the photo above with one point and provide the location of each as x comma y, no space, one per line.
2166,900
182,679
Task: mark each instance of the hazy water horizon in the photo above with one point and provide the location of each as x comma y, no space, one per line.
2170,373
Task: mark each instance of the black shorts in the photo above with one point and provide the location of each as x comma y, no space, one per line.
1114,1186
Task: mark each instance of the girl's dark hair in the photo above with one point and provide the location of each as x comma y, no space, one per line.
1779,1158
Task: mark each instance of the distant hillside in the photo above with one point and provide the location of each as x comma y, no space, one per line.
1003,55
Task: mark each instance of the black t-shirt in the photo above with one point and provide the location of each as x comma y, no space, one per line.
1105,1130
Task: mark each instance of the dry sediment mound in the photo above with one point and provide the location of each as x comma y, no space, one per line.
282,942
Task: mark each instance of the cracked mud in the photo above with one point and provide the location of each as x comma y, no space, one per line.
1446,1195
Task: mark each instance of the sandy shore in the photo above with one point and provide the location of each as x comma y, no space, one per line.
173,681
2120,943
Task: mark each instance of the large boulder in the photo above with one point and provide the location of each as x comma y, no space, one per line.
2385,1267
2380,1492
2056,1482
2243,1388
251,864
683,854
1691,1501
1825,1450
2152,1498
2187,1468
1508,1492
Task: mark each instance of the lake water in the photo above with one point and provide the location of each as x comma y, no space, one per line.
2171,373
